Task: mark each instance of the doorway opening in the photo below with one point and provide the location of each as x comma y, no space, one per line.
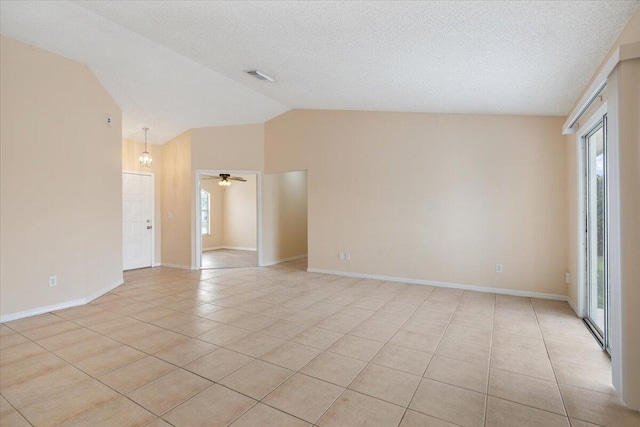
227,219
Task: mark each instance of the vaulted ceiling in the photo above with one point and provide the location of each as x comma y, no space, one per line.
177,65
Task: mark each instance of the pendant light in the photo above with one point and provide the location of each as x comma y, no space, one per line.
145,159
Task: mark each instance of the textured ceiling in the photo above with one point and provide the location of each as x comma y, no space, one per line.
175,65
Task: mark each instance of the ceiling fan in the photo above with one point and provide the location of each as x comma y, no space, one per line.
225,179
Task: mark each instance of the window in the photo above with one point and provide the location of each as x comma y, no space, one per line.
205,223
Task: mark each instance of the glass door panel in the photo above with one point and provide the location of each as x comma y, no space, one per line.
596,204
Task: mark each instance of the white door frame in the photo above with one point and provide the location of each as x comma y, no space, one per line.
585,128
196,259
153,210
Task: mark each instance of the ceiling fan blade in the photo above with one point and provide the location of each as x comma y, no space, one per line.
237,178
210,177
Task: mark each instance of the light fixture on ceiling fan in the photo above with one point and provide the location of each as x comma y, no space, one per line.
145,158
225,179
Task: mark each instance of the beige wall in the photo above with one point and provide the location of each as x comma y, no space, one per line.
216,238
53,113
431,196
131,151
240,214
177,200
284,216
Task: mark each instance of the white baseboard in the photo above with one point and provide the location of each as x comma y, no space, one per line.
156,264
182,267
573,306
279,261
237,248
503,291
60,306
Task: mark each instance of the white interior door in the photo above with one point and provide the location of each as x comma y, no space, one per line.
137,220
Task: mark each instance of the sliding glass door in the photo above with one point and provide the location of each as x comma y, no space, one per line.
596,231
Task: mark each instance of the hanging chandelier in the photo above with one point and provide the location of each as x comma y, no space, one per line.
145,159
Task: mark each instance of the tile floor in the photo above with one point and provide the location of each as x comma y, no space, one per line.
282,347
229,258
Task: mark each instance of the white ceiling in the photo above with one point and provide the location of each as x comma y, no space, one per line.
178,65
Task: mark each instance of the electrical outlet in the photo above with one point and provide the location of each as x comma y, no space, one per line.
567,278
499,268
53,281
109,120
347,256
341,256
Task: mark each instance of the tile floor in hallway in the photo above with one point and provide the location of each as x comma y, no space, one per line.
229,258
282,347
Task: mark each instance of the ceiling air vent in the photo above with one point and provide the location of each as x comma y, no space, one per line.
260,75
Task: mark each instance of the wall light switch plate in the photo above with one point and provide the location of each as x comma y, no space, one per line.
53,281
499,268
567,277
341,256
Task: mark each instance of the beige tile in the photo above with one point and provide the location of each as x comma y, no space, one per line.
158,422
118,412
529,391
266,416
168,391
254,344
5,406
257,379
357,410
469,345
520,362
501,413
291,355
20,352
593,356
317,337
218,364
416,419
186,352
459,373
13,418
598,408
11,340
415,341
196,327
583,376
525,329
55,409
5,331
304,397
374,331
29,368
87,348
283,329
93,319
386,384
579,423
334,368
449,403
56,328
136,374
34,322
111,326
32,390
216,406
67,339
135,333
403,359
115,358
358,348
223,335
157,342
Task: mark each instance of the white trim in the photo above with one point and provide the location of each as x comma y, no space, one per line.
196,255
153,210
180,266
622,53
59,306
573,306
614,235
581,274
279,261
443,284
156,264
237,248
